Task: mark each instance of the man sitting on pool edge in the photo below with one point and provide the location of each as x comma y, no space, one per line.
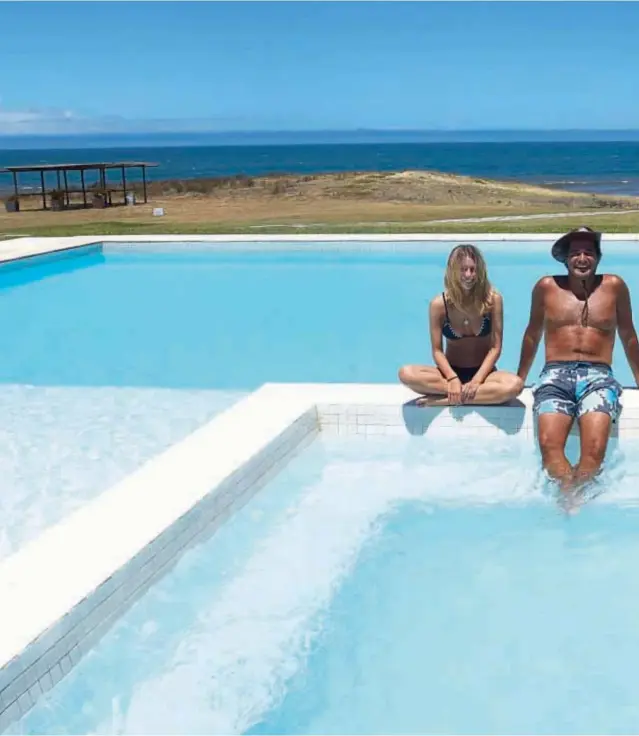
579,315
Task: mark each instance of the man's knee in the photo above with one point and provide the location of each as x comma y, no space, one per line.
549,443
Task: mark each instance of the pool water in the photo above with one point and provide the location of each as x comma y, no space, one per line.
375,587
60,446
473,621
192,316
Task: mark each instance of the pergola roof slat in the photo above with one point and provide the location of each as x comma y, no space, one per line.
77,167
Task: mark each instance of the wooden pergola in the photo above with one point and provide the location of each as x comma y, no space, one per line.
62,174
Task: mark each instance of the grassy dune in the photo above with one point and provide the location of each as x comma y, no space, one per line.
400,202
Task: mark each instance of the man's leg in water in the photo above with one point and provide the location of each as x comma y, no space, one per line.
553,429
594,428
598,406
555,407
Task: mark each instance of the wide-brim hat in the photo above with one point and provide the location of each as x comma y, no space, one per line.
560,248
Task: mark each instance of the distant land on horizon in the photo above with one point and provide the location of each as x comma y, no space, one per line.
309,137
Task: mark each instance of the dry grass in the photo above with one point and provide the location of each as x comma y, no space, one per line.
364,202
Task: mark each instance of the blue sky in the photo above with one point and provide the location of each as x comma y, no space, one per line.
131,66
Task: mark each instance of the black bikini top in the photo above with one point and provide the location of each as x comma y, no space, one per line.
449,332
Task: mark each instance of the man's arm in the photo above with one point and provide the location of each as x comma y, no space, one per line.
534,330
626,328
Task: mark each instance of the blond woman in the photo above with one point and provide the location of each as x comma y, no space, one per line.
468,314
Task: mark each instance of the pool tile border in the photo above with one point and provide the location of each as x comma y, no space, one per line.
63,590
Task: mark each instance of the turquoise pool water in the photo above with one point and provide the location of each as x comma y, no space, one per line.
60,446
374,587
188,316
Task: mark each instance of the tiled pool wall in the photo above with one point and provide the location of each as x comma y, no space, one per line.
515,419
370,420
66,588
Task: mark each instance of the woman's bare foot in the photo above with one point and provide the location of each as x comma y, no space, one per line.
432,400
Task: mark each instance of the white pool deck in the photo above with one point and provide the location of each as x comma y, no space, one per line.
63,590
16,249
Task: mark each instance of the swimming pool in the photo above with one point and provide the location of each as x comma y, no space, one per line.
234,316
373,587
113,356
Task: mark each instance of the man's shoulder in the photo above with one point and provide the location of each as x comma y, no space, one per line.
547,282
613,280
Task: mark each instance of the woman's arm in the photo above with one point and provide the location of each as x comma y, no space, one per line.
436,317
496,340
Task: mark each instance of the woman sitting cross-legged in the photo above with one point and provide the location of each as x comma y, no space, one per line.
469,314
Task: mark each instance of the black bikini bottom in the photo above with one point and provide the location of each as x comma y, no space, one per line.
467,374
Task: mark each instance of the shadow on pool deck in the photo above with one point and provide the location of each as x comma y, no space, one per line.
418,419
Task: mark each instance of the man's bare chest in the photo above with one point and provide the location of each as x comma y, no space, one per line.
599,310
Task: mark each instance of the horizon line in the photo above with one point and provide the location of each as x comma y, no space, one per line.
314,131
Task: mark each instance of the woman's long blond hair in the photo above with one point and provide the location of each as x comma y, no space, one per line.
479,300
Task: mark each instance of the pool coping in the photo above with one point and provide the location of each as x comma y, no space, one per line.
15,249
63,590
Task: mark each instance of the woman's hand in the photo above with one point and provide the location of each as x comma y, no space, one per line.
469,390
454,391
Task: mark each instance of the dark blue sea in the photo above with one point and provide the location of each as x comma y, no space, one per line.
581,161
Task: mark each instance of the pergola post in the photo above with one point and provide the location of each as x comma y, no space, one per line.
103,184
44,194
84,189
66,187
144,183
123,185
15,184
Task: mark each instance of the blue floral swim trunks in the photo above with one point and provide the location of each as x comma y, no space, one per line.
575,388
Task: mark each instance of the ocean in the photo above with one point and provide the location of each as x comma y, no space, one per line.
598,165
